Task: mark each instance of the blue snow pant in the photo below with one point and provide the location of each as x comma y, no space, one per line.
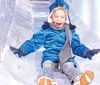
68,69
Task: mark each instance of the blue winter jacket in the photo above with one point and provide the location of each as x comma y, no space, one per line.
53,41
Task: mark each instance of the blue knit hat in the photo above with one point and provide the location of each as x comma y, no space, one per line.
61,2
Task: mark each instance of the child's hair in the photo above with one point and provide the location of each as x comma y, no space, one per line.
54,10
59,8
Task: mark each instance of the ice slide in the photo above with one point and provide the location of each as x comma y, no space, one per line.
19,20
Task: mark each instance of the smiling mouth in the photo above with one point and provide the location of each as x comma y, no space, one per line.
58,23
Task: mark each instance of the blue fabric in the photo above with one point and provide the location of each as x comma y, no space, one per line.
59,1
77,47
53,41
54,5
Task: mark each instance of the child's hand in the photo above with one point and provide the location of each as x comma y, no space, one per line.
91,53
17,51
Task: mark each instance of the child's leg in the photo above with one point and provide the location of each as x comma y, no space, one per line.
48,68
47,74
70,70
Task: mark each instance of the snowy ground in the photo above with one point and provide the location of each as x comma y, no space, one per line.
23,18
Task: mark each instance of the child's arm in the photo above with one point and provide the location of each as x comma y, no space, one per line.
80,49
31,45
34,43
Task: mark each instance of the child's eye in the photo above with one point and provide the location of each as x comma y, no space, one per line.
62,17
56,16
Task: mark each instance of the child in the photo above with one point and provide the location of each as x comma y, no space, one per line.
59,43
58,3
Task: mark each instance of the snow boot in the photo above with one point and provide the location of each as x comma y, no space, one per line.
46,81
84,78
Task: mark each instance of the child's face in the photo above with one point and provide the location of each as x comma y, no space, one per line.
58,18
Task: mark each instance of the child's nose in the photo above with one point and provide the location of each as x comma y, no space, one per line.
59,19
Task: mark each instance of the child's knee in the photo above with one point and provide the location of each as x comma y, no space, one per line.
48,64
68,66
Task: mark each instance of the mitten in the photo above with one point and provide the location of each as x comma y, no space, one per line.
46,25
73,61
17,51
91,53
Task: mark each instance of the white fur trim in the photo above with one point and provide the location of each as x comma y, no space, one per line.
67,21
49,18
